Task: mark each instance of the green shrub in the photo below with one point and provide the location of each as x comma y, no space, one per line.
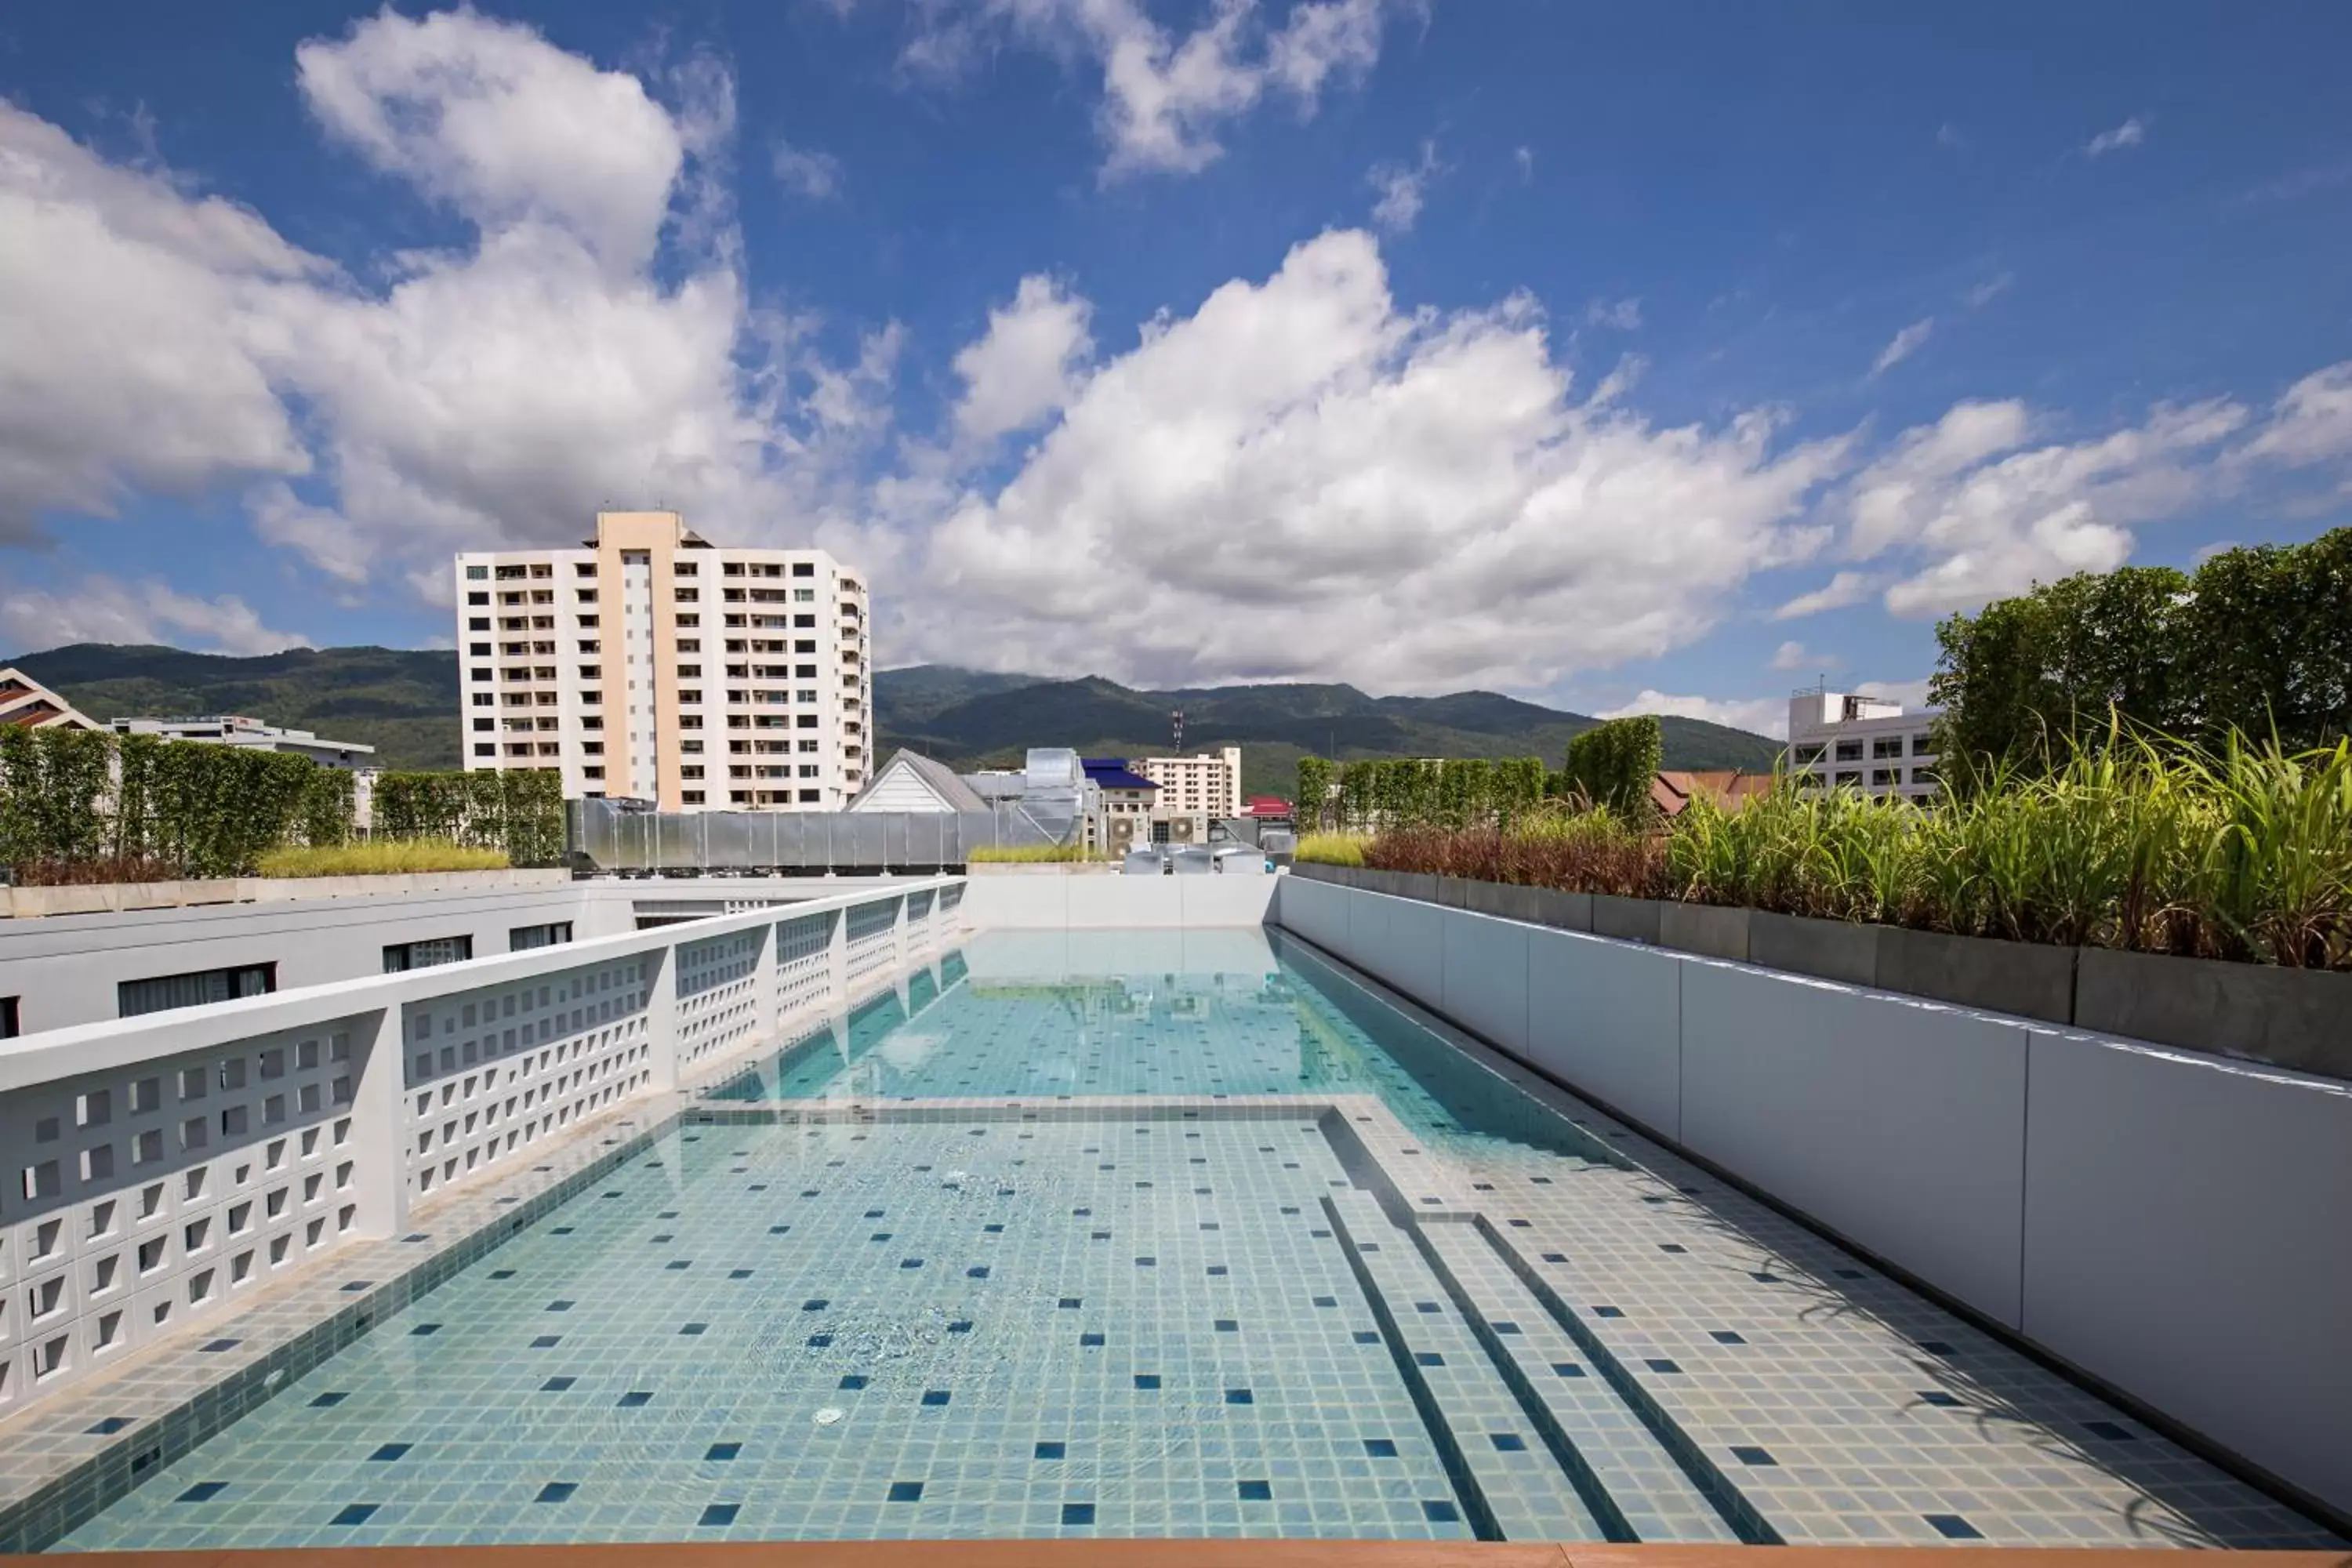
1028,854
1331,848
378,858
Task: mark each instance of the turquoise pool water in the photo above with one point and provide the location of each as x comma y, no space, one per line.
1119,1234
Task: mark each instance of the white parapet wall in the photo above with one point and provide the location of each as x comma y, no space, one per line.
2168,1223
66,969
157,1171
1118,903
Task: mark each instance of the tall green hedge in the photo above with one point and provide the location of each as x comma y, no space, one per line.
1611,764
1315,778
84,797
1423,791
520,812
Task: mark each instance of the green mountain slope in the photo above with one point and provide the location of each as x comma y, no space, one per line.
404,702
1273,725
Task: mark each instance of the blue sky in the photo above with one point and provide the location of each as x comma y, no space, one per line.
1628,356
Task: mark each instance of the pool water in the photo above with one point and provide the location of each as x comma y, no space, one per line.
1125,1237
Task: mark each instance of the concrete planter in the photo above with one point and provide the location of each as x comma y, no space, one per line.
2299,1018
2026,979
1532,906
1828,950
1629,919
1708,930
114,898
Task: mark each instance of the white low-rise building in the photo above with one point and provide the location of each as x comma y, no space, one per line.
1843,740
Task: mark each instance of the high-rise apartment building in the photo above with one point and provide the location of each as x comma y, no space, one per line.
654,664
1199,787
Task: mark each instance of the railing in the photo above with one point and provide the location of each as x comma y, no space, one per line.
159,1169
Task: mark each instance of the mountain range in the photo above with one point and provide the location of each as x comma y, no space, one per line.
404,702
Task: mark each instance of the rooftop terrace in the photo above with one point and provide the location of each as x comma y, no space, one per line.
1074,1209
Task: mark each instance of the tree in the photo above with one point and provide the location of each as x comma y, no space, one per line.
1612,764
2258,640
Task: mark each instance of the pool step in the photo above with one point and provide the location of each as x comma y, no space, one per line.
1658,1500
1516,1485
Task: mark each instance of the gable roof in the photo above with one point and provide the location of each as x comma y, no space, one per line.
1729,788
27,703
936,777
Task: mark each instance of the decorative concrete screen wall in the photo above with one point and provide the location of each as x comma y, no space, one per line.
2169,1222
160,1168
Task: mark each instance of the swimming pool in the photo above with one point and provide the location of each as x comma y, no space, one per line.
1169,1234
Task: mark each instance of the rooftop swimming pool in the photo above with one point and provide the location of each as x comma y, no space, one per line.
1169,1234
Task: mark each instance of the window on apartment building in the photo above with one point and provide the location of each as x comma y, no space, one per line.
1849,751
691,748
1808,756
691,771
1885,778
477,598
1886,746
584,569
586,596
810,771
1923,745
694,797
806,721
803,569
593,771
588,623
685,569
810,796
8,1018
593,697
805,622
477,650
134,997
689,620
732,569
427,952
810,745
805,596
555,933
688,596
592,721
694,695
737,797
477,623
592,748
1849,777
690,722
689,672
476,574
481,750
1924,775
690,645
480,724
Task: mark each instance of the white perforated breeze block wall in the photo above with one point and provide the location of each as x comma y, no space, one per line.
496,1069
154,1170
146,1198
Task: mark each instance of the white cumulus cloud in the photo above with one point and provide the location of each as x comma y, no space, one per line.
1844,588
1165,96
2130,134
1303,479
1402,189
1757,715
806,171
104,609
1903,344
1026,366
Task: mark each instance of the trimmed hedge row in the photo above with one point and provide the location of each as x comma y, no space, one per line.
76,802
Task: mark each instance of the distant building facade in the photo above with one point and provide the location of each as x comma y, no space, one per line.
651,664
1202,788
1843,740
252,734
29,705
